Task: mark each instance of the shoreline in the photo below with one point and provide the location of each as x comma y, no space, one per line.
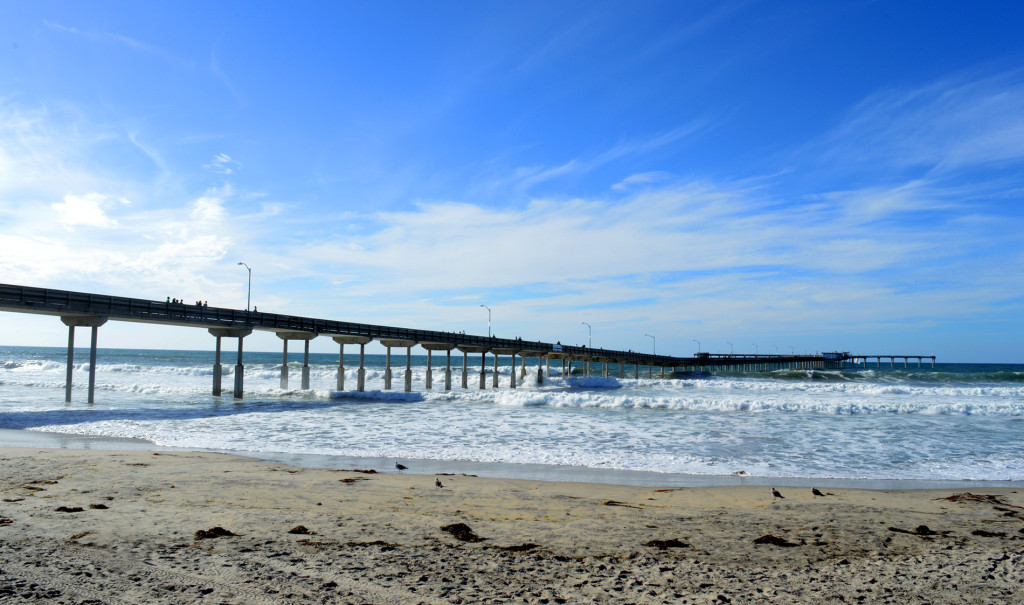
497,470
171,527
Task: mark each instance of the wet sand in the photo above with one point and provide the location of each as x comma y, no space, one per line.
80,526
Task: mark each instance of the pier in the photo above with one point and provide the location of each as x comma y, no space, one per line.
80,309
863,359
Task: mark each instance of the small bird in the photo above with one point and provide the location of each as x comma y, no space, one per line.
400,467
438,484
817,492
776,494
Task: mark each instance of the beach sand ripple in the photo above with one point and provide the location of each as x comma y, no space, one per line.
86,526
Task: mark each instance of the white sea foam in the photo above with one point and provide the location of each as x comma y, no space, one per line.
816,424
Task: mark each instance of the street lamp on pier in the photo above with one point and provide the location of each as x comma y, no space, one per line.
488,320
698,345
730,347
590,335
654,344
248,296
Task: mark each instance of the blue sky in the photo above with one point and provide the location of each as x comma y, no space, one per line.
805,175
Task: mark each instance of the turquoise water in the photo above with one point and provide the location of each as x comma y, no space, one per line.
953,422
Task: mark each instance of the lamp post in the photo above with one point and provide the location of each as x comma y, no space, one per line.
756,350
654,344
590,335
791,351
488,320
776,349
730,346
698,345
248,296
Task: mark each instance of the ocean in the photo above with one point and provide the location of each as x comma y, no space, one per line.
883,427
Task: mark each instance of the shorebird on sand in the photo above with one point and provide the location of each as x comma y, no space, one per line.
401,467
776,494
438,484
817,492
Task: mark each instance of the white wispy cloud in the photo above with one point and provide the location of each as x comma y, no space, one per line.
527,177
645,178
123,41
223,164
966,120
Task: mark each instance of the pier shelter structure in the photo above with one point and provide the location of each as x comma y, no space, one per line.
80,309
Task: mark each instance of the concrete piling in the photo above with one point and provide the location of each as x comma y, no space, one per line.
430,371
88,321
351,339
71,363
219,333
448,370
408,369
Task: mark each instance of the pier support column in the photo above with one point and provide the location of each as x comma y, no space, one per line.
295,335
361,377
89,321
219,333
408,369
448,371
563,367
466,350
547,364
305,368
540,369
217,370
71,363
92,363
398,342
483,372
494,378
512,374
622,369
395,342
430,373
636,371
239,372
284,366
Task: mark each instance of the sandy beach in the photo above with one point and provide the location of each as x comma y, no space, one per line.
81,526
